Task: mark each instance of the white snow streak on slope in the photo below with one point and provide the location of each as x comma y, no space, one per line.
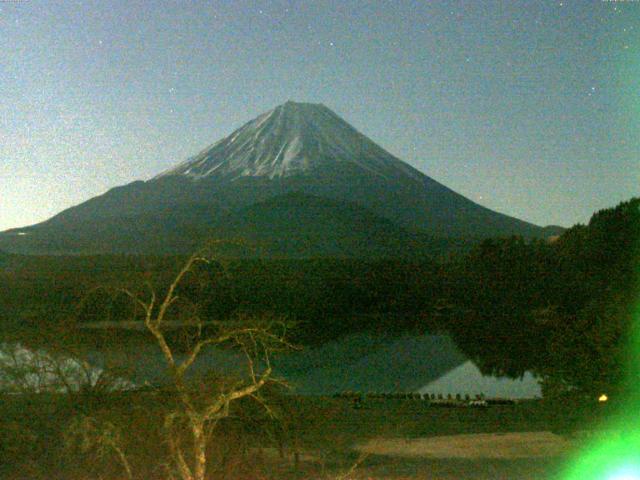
292,139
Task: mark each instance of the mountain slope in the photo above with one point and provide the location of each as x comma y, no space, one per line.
293,225
300,225
295,148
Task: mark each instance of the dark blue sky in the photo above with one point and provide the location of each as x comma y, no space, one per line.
529,108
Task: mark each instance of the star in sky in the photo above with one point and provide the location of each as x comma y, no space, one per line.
459,81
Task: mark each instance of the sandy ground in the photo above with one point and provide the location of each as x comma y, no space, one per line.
504,446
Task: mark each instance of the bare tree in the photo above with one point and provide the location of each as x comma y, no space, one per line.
52,370
198,411
100,437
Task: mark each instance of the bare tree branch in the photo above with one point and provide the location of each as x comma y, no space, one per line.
257,340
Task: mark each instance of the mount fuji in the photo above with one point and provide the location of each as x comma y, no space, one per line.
298,180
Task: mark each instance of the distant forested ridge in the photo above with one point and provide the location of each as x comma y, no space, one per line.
327,298
561,308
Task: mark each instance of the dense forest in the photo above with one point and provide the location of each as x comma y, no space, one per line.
561,308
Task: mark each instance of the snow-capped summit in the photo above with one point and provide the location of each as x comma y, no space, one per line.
292,139
298,179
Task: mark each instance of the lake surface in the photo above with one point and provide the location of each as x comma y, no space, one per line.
361,362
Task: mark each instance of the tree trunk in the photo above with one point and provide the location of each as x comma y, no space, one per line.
124,461
199,451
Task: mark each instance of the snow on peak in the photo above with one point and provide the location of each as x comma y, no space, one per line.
292,139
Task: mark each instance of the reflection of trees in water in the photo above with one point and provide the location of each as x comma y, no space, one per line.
23,370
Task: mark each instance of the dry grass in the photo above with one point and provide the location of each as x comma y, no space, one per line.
471,446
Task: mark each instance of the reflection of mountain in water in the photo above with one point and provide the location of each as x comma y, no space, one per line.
368,363
385,363
467,379
361,362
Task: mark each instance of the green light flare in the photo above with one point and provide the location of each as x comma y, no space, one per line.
626,79
627,473
615,454
625,53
